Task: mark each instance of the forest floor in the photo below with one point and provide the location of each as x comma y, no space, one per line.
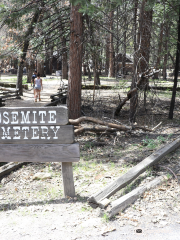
32,205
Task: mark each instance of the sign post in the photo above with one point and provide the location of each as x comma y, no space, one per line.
39,134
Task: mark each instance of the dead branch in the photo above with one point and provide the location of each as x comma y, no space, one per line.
143,128
133,91
94,129
157,126
98,121
121,104
170,171
109,127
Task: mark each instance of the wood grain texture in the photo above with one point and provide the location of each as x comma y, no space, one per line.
40,116
37,134
7,168
126,200
68,181
39,152
104,203
134,172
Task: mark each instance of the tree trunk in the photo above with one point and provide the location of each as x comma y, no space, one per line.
166,51
89,72
75,64
48,57
64,59
111,47
142,56
124,43
51,61
159,50
30,70
107,56
176,72
20,77
40,67
144,38
24,50
96,74
134,99
47,62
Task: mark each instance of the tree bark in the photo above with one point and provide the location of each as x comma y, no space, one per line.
75,64
159,50
111,47
145,37
134,99
64,59
40,67
124,43
48,57
166,51
96,73
171,111
142,56
24,50
107,56
30,70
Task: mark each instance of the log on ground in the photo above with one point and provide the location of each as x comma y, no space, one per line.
134,172
126,200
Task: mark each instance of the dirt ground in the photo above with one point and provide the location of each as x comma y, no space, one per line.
32,205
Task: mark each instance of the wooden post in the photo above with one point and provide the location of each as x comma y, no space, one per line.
39,135
134,172
68,182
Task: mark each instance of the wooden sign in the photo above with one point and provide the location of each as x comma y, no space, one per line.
35,125
39,135
39,152
39,116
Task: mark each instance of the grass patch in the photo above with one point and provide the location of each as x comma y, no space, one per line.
105,218
153,143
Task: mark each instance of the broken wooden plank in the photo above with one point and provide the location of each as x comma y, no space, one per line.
104,203
7,168
134,172
126,200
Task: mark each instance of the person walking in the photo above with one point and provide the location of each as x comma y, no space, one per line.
37,87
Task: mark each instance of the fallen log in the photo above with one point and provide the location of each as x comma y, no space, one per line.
9,167
92,87
98,121
126,200
134,172
163,88
94,129
109,125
